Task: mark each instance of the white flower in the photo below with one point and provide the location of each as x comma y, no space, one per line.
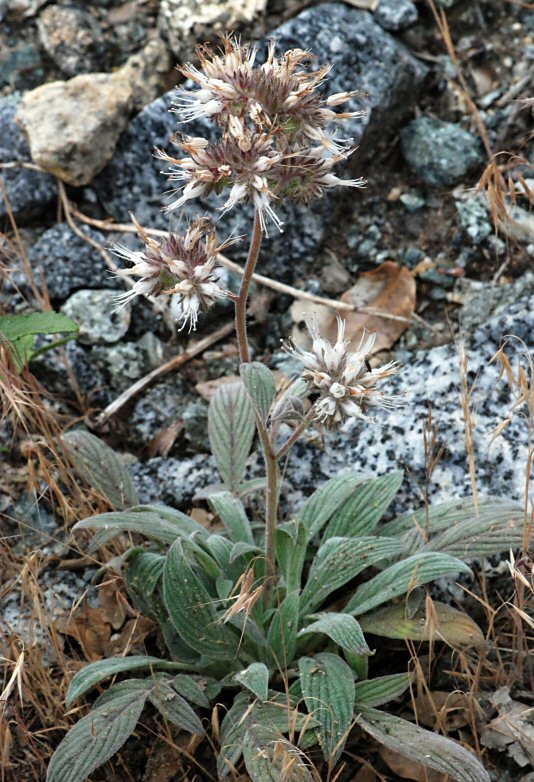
346,383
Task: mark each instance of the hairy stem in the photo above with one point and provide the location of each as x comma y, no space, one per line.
300,429
242,299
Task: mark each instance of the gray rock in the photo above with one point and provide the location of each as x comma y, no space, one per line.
96,311
363,55
396,15
51,370
73,39
68,263
173,481
484,301
124,362
23,68
474,219
440,153
195,417
158,408
29,192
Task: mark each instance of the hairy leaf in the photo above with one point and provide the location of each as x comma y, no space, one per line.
328,690
376,692
343,629
233,515
362,511
192,610
445,623
18,333
96,737
430,749
282,635
143,572
102,669
401,578
339,561
191,689
101,467
256,679
325,501
173,707
242,549
291,545
269,757
231,428
261,387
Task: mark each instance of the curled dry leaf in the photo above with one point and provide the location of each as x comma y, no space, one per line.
410,769
88,627
389,289
442,711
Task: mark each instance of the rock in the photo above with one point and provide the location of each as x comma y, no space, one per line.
173,481
159,407
195,417
185,22
23,68
73,126
68,263
29,192
475,219
484,301
96,311
73,39
50,369
363,55
124,362
413,200
440,153
146,72
396,15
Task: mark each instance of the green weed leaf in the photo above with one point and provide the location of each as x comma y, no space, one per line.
261,387
343,629
231,427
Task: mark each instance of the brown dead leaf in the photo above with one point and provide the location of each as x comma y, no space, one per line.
389,289
207,388
204,517
410,769
365,774
162,442
445,710
89,628
113,610
131,639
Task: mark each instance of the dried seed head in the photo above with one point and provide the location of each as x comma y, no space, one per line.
346,385
179,266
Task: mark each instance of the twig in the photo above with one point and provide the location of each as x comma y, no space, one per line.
164,369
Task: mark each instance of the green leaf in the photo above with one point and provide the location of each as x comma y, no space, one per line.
328,690
143,572
291,545
402,577
95,738
102,669
192,610
376,692
362,511
430,749
120,689
343,629
498,528
101,467
445,623
195,689
173,707
261,387
269,757
324,502
241,549
18,332
231,427
256,679
233,515
339,561
282,635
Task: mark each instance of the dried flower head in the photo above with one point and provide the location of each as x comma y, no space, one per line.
346,383
179,266
275,121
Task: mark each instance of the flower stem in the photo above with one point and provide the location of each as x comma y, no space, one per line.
242,299
300,429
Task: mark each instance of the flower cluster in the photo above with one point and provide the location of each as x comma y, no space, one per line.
179,266
346,383
275,141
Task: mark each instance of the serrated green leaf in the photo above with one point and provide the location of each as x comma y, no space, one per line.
399,578
256,679
95,738
328,689
430,749
261,387
376,692
445,623
231,426
343,629
101,467
231,512
362,511
143,572
291,545
282,635
173,707
344,559
269,757
102,669
192,609
324,502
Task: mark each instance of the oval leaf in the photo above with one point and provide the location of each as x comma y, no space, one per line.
376,692
173,707
231,512
269,757
326,500
231,427
282,635
343,629
261,387
256,679
360,514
